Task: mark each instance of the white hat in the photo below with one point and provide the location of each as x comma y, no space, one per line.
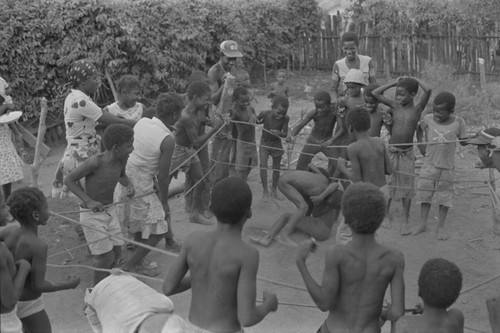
230,49
354,76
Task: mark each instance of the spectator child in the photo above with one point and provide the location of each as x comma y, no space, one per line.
128,88
377,116
279,88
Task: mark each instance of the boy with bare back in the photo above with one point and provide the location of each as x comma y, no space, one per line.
188,139
246,149
357,275
102,172
405,117
318,206
223,268
321,135
275,127
439,285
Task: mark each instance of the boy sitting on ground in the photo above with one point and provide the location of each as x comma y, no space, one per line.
436,174
357,275
222,267
317,201
188,139
321,134
29,207
275,127
405,117
246,149
439,285
102,172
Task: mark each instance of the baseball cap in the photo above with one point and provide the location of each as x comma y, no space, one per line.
485,137
230,49
354,76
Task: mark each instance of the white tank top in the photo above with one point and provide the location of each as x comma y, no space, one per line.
364,66
148,136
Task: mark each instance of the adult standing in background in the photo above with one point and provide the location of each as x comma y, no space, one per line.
217,75
351,60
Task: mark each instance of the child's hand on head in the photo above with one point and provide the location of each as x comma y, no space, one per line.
271,299
73,281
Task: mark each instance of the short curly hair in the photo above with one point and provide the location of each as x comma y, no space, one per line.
323,95
24,201
197,89
127,83
363,206
231,200
350,37
409,84
358,118
117,134
168,104
280,100
439,283
239,92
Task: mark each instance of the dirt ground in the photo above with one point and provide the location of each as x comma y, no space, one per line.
471,246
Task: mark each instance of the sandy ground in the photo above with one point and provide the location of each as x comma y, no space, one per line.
471,246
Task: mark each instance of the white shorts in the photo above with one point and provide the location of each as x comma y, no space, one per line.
28,308
102,226
10,322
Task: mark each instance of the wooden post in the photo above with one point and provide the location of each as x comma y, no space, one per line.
493,305
39,140
111,85
482,76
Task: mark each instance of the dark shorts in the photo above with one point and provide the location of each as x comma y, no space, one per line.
270,148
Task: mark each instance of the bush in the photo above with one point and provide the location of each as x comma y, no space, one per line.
159,41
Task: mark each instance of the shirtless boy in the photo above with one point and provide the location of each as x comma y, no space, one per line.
188,139
357,275
275,127
12,279
317,201
324,121
102,172
377,117
222,267
405,117
279,88
246,149
439,285
29,207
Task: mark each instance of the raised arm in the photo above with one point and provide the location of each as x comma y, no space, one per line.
425,97
38,268
325,296
379,94
108,118
307,118
176,281
248,313
371,72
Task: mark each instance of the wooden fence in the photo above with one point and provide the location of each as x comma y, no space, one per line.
398,55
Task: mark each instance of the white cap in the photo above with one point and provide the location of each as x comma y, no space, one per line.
354,76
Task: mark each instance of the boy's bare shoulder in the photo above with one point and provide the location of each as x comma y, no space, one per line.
393,255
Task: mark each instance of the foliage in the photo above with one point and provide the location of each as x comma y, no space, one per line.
159,41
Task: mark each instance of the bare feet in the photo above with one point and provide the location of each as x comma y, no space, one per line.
420,229
207,213
199,219
276,196
264,240
405,229
442,234
386,223
265,196
286,240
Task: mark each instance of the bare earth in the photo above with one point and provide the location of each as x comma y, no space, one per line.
471,246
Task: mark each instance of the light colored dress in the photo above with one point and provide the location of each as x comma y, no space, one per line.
11,165
133,113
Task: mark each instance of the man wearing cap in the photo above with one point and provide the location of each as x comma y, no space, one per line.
351,60
221,84
488,147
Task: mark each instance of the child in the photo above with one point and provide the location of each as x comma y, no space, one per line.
357,275
222,267
324,121
436,174
187,140
279,88
12,279
29,206
377,117
102,172
439,285
128,88
11,168
275,127
317,201
405,115
246,150
353,98
369,160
